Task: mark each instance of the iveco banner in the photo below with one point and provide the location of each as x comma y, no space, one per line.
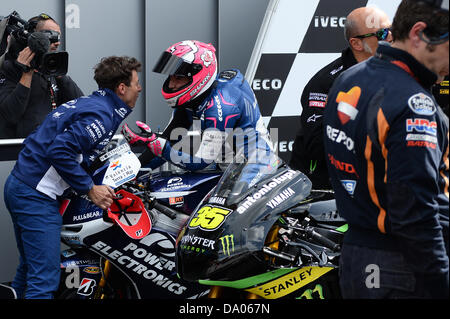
296,40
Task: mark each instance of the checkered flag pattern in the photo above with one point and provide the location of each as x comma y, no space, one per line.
302,37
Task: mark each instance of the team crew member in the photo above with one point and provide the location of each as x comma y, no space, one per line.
53,159
386,144
224,105
308,154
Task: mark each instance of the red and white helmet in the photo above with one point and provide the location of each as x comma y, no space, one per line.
194,59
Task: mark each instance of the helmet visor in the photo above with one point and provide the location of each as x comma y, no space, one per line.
170,64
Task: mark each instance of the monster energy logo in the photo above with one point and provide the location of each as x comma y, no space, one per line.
308,293
227,242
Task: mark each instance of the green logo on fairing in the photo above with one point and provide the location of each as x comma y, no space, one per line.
308,293
227,243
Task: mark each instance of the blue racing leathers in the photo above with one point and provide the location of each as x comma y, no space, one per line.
229,120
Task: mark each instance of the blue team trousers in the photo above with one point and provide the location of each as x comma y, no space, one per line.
37,226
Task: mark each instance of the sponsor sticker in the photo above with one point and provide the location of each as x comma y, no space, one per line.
93,270
421,144
217,200
176,200
421,126
342,166
317,99
421,104
347,104
421,137
349,186
281,197
266,188
209,217
340,137
86,287
289,283
313,118
227,243
317,104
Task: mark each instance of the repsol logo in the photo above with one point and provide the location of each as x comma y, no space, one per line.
329,21
340,137
267,84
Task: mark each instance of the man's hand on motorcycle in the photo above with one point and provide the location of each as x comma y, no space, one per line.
102,196
146,136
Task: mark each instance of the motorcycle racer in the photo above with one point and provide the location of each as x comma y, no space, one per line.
223,107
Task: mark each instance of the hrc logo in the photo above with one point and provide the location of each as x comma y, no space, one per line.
421,125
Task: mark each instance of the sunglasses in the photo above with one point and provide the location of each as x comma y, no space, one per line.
53,36
381,34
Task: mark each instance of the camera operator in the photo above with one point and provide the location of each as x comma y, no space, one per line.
26,94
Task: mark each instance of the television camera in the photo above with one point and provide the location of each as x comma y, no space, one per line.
16,34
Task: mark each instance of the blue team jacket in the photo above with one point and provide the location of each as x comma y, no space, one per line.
56,154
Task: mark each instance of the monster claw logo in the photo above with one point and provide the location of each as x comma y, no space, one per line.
310,293
347,104
227,243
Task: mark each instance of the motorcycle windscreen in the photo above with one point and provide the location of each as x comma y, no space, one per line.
129,213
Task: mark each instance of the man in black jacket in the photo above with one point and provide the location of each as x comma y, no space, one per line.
26,95
308,154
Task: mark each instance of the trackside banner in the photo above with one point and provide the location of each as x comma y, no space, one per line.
297,39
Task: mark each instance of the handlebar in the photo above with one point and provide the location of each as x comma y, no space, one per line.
165,210
321,239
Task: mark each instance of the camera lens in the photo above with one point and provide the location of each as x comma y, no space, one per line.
55,63
52,64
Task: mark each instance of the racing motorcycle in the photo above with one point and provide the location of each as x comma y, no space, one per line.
263,233
129,250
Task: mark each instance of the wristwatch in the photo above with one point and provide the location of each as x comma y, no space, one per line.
24,68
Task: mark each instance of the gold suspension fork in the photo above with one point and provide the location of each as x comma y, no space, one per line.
106,270
272,241
272,237
215,292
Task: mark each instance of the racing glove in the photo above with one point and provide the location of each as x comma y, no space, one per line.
145,136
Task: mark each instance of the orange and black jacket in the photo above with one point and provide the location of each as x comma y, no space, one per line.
387,144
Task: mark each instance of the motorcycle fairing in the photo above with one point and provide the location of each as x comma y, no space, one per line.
148,263
289,283
275,284
80,270
182,191
239,239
